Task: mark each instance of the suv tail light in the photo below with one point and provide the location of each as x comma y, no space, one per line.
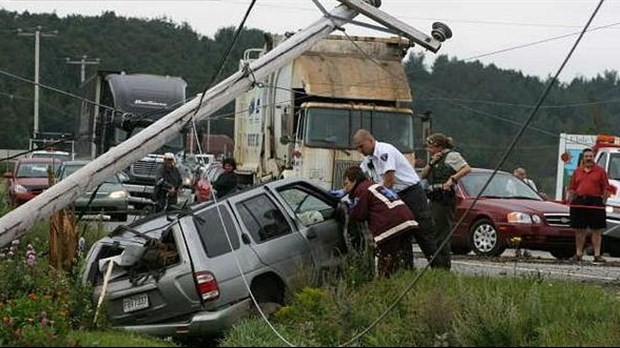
207,285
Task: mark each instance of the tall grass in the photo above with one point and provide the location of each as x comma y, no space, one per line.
445,309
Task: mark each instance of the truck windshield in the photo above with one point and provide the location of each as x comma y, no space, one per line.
334,128
614,166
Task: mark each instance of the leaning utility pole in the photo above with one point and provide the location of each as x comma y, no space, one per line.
83,62
38,34
13,224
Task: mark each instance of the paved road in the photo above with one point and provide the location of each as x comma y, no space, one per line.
539,264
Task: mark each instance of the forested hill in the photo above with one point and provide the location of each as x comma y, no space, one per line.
481,107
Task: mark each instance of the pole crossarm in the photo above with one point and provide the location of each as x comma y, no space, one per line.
395,24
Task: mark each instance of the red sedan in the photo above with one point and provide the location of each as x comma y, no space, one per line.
29,178
509,213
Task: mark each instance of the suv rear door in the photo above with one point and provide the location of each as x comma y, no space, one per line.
277,242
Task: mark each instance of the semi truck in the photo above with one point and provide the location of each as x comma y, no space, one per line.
301,119
607,155
119,105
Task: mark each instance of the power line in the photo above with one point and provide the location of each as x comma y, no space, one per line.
538,42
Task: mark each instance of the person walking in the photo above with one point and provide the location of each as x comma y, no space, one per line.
390,221
587,192
168,182
388,167
226,183
443,171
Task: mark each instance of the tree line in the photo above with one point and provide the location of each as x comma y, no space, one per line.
481,107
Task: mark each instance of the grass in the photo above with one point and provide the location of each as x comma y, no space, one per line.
444,309
116,338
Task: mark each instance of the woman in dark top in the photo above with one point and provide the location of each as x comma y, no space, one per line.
226,183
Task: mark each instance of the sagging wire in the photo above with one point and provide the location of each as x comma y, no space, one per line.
212,192
500,163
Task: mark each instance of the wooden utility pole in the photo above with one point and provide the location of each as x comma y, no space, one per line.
13,224
37,34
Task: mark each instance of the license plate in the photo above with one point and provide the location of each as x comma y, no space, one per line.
135,303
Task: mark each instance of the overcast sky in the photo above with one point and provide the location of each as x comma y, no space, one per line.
481,28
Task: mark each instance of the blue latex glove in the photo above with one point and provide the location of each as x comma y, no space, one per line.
337,193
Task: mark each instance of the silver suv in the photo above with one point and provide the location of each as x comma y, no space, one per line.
180,275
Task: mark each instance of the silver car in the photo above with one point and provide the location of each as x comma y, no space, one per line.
181,275
110,198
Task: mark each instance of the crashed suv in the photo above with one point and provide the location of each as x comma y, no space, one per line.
186,274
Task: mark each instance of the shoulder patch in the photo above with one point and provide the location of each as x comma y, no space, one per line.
384,157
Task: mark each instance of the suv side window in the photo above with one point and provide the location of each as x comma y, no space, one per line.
211,231
309,208
262,218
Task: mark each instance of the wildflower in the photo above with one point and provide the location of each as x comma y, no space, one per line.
82,245
44,320
31,255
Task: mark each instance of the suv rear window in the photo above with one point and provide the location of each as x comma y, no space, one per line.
211,231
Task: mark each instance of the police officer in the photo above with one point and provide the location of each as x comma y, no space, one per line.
444,170
388,167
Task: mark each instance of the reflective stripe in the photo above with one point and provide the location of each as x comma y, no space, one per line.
398,228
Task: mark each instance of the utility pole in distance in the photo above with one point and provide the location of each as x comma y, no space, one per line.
83,62
38,34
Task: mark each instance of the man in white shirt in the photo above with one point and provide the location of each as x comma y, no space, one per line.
387,166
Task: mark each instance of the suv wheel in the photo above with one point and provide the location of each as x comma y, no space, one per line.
269,294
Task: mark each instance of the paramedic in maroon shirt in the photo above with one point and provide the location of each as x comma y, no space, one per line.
587,193
389,219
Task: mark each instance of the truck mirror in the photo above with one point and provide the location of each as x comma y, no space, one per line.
8,175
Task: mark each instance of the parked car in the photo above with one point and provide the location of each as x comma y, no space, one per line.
61,155
205,177
509,208
29,178
186,274
111,198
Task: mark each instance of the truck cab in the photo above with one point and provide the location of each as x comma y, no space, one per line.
608,156
299,122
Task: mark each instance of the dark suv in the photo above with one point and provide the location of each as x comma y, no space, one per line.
187,274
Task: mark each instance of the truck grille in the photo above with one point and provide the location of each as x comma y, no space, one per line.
558,219
145,168
339,169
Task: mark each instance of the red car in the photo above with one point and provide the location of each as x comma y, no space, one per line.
508,213
29,178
